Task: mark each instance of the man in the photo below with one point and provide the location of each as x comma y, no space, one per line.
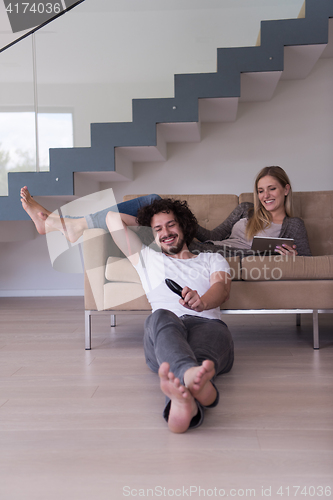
184,339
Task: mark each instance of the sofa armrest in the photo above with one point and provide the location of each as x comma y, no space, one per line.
97,247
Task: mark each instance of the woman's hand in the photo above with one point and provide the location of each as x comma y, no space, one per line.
286,250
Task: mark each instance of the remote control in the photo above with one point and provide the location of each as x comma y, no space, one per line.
174,286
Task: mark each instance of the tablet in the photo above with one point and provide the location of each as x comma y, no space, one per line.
267,244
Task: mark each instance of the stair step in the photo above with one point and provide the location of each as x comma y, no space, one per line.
223,109
147,153
180,132
328,51
259,86
299,60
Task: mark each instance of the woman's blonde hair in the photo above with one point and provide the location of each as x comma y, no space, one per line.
261,218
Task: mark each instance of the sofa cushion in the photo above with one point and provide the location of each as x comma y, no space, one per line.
120,269
282,268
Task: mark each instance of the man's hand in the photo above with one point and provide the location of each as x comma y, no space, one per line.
191,300
216,295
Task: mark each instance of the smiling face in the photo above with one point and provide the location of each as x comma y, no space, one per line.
272,194
168,233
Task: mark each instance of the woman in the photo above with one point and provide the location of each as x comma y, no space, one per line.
270,215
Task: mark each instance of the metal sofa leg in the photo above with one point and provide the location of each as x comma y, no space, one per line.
113,320
315,329
87,328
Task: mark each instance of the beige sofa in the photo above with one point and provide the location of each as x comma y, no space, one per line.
273,284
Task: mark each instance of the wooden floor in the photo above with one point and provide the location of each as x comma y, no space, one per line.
79,425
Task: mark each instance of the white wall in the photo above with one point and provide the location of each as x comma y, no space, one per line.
293,130
26,270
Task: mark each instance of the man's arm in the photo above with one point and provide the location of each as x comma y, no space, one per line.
216,295
125,239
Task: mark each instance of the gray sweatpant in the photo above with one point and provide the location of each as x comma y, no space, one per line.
186,342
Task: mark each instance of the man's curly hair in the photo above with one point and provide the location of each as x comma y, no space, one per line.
181,211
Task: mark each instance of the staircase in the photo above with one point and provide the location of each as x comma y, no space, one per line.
286,49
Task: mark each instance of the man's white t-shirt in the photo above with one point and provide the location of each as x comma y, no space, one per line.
154,267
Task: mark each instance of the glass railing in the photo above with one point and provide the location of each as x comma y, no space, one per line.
17,117
30,124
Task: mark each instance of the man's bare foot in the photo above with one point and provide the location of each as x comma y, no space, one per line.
197,380
183,406
45,221
34,210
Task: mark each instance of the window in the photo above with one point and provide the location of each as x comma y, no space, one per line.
18,141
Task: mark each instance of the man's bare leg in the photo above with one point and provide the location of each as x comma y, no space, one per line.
183,406
72,229
46,222
197,380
